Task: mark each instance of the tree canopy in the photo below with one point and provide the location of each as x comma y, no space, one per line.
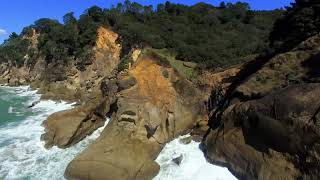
208,35
300,21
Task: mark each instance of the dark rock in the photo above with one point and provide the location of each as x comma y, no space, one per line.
165,73
33,104
186,140
178,160
275,137
126,83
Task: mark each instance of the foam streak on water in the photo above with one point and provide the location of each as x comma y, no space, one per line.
22,154
193,165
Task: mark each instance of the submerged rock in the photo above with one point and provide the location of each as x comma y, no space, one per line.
186,140
33,104
178,160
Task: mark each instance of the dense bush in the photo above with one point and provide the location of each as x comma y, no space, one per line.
300,21
210,36
14,49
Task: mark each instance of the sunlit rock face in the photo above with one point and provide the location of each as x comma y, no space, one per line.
154,106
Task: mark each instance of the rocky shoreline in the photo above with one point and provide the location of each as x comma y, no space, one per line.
262,127
150,105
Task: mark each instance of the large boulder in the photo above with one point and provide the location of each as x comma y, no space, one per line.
68,127
154,106
275,137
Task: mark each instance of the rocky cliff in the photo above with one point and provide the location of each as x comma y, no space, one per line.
154,105
269,125
264,116
150,104
72,81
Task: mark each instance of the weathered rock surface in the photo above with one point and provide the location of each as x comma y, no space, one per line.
269,125
67,128
71,82
95,87
276,137
293,67
150,112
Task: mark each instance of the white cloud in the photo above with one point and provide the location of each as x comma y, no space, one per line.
3,32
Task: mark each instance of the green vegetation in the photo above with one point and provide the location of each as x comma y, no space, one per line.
300,21
185,69
203,34
14,49
207,35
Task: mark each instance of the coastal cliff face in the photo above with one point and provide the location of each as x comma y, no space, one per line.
263,126
83,84
95,87
73,81
154,105
269,126
150,103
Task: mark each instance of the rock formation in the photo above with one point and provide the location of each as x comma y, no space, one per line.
262,126
95,86
269,126
154,106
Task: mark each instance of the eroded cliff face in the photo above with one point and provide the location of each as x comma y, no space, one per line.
82,83
95,87
269,127
154,105
69,81
265,127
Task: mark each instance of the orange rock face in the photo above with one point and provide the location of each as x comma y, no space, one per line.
106,39
154,105
152,84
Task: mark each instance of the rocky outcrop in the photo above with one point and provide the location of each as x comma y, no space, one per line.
276,137
282,70
94,87
154,106
67,128
80,83
71,81
268,126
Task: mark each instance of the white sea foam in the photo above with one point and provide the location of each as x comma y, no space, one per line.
10,110
22,154
193,165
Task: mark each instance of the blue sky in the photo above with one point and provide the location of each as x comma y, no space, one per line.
16,14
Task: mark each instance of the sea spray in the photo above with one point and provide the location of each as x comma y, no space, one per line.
193,165
22,154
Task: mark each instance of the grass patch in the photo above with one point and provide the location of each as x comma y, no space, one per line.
186,69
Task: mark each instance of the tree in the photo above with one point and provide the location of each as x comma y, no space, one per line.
210,36
45,25
222,5
301,21
96,13
13,35
69,18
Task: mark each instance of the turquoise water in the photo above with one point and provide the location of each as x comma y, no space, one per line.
22,153
13,108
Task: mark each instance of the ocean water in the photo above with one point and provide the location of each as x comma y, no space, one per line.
23,156
193,165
